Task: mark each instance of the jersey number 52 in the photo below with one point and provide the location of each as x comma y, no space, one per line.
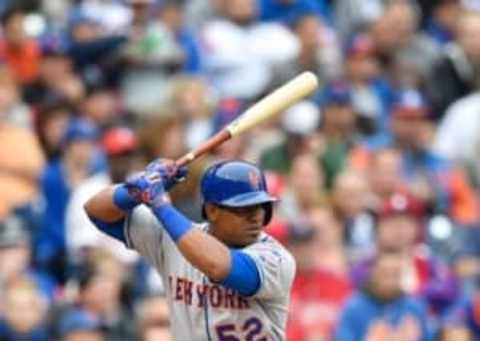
250,330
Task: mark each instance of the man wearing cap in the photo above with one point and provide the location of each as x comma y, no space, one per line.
120,146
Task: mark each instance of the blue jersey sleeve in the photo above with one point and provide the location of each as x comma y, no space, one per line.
114,229
244,276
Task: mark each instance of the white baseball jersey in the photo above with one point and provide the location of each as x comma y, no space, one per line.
204,310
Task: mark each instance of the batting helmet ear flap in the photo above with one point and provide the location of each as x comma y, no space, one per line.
204,212
268,207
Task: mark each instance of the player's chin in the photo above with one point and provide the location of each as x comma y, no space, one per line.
251,236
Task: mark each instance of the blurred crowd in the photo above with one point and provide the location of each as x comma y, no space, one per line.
378,173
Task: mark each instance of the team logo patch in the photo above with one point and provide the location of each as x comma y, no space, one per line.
254,179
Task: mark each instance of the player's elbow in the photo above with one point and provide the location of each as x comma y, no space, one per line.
100,206
89,207
217,270
92,206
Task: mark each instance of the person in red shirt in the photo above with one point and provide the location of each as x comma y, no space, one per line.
317,294
17,49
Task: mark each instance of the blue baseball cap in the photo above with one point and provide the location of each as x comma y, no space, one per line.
79,320
80,129
337,92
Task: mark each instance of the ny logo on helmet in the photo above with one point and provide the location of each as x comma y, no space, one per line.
254,179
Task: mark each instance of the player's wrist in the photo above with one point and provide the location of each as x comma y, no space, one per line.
123,200
174,222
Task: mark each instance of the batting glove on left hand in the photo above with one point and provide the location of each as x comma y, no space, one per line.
168,171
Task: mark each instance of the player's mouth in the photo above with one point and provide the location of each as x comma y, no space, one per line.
255,229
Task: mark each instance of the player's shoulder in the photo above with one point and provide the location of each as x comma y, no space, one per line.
267,245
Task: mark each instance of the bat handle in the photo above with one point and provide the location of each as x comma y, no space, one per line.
203,148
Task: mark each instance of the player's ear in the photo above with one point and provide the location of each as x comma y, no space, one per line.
212,212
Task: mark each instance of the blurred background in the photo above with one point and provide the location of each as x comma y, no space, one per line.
378,172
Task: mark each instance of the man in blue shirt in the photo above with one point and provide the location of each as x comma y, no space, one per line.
381,311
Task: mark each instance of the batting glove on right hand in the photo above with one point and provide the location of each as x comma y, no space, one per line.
138,185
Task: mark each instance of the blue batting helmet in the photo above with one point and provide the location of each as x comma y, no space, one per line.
236,184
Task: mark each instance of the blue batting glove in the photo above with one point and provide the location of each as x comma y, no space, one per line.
168,171
138,185
157,196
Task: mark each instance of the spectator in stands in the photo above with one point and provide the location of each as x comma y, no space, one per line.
100,106
18,50
384,173
121,147
314,309
442,23
101,280
338,127
299,124
331,252
171,14
457,73
319,51
24,311
400,228
238,51
59,179
305,189
15,257
153,319
194,103
53,119
152,57
354,15
371,92
350,198
381,310
404,43
21,158
56,78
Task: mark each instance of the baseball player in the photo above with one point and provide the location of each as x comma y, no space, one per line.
225,280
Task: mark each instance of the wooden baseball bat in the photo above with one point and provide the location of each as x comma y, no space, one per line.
274,103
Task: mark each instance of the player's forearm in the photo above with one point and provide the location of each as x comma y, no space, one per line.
102,206
203,251
206,253
232,268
